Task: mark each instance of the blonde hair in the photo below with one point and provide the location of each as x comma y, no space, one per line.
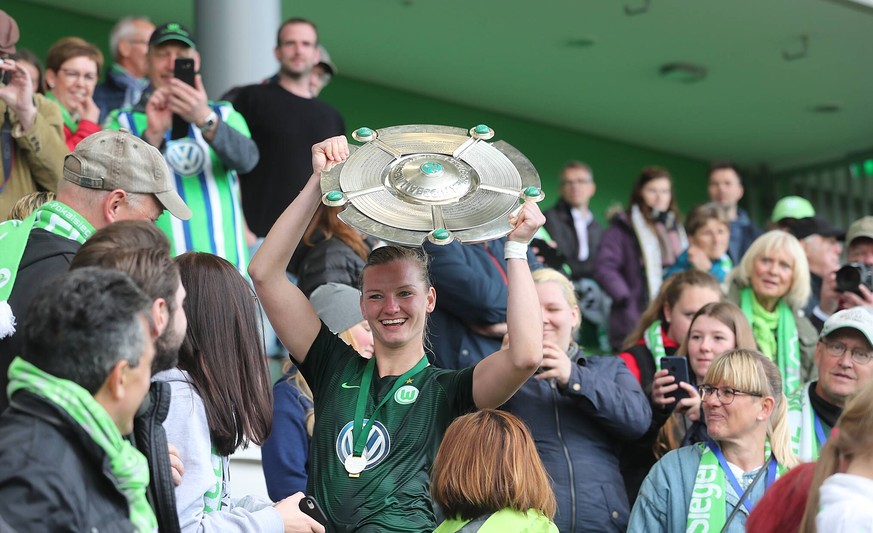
731,316
488,461
29,203
778,240
750,371
550,275
853,436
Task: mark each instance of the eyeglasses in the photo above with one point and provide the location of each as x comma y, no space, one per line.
838,349
725,395
72,76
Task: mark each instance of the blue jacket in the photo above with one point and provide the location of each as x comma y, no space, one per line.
285,453
579,432
662,505
743,233
471,289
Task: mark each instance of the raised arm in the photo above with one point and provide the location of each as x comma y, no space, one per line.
289,311
498,376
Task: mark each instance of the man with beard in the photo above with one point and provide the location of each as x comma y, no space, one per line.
285,120
142,251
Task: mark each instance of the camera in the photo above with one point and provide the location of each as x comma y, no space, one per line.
854,274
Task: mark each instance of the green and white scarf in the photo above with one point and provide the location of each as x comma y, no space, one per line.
655,343
707,510
801,425
784,348
53,217
69,120
128,465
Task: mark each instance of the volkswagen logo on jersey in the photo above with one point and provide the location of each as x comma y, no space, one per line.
185,157
375,451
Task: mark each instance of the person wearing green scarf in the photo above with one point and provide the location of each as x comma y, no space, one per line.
85,369
771,286
714,485
72,70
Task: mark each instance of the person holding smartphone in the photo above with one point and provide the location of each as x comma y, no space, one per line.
213,146
715,328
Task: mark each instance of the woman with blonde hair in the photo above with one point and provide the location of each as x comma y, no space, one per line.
488,477
580,411
715,329
713,486
841,496
771,286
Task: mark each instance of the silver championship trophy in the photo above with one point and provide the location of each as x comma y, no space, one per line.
408,183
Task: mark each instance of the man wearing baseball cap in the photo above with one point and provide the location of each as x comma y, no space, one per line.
820,241
205,161
32,144
111,176
844,358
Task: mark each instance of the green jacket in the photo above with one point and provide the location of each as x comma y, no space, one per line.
505,521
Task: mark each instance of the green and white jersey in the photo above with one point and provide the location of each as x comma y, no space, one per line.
392,493
209,188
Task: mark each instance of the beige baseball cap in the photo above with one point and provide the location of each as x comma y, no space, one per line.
863,227
111,159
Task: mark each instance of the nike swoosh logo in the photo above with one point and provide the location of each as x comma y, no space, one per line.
345,386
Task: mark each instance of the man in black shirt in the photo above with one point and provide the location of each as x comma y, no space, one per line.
285,120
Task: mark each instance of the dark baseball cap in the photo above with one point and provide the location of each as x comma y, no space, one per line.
172,31
804,227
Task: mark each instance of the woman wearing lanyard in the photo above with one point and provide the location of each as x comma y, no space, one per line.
376,434
713,486
72,68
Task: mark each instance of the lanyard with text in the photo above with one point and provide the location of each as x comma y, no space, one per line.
729,474
355,463
819,431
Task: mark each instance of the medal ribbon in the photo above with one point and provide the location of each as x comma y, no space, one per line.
361,431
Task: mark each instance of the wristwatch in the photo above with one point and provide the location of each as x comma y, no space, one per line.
210,121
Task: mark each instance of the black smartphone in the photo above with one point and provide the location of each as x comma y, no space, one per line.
5,75
311,508
677,366
183,70
552,257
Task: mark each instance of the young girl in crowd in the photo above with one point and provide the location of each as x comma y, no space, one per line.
488,477
660,331
709,235
580,411
285,453
715,329
379,422
648,234
841,495
220,400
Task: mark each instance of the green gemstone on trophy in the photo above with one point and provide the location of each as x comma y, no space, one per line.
364,132
532,191
431,168
441,234
482,129
334,196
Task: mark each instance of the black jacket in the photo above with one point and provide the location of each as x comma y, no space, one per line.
53,476
560,225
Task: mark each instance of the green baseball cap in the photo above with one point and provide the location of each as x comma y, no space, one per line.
172,31
792,207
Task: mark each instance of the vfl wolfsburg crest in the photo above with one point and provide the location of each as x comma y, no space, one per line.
375,451
406,394
185,157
